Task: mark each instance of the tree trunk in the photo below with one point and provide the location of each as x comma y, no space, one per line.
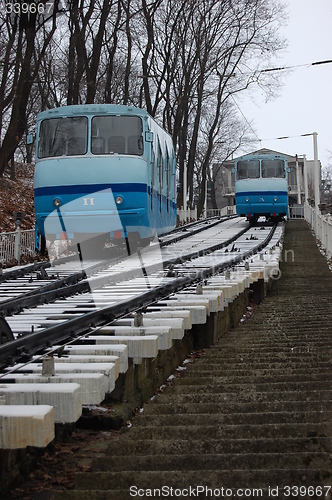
18,124
28,24
96,51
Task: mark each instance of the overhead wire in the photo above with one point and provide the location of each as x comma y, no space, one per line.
245,119
282,68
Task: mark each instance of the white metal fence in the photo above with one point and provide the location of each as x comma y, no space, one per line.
16,244
322,227
296,212
220,212
188,215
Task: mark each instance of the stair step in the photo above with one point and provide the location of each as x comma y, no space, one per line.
217,462
232,479
229,418
159,406
261,379
163,446
215,386
268,369
241,431
251,395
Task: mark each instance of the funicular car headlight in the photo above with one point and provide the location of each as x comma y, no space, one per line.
57,202
119,200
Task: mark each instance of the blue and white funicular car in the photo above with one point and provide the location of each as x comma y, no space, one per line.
261,186
103,170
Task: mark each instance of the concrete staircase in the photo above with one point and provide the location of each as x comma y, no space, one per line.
249,418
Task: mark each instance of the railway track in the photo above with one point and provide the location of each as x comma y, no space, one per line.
163,271
26,286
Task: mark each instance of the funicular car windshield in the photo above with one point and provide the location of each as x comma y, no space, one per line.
63,137
273,168
248,169
117,135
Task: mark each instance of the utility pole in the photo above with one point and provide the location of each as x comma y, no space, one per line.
305,174
317,174
298,180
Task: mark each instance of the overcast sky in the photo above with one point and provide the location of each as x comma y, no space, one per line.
304,104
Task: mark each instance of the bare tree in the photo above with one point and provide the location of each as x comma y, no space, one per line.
180,59
24,29
195,56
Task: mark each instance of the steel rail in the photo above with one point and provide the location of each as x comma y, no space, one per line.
26,346
184,231
21,271
41,295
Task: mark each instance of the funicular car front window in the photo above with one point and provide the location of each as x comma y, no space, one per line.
248,169
117,135
273,168
63,137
